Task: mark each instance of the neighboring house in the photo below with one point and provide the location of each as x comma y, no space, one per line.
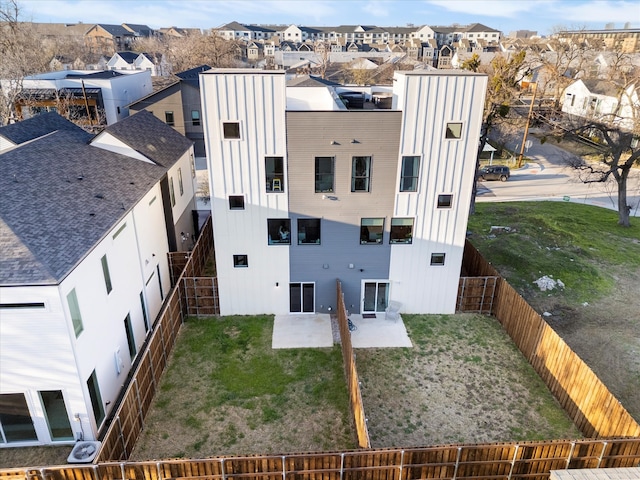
306,191
155,63
254,51
624,40
179,32
85,227
122,61
106,93
139,30
105,38
602,101
178,105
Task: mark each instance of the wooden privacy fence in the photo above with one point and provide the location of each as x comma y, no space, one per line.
504,461
477,284
127,421
201,296
351,372
589,403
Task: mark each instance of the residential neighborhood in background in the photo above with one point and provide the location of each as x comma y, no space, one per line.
332,152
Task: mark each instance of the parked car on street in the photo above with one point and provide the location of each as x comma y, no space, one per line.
494,172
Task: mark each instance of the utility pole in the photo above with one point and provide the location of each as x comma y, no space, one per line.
534,87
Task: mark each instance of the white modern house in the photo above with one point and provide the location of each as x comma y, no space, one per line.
107,93
85,227
307,192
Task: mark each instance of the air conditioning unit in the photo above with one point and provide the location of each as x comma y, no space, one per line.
84,452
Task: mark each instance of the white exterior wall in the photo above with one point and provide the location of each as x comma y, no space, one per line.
5,144
312,98
184,201
38,347
257,100
36,354
428,103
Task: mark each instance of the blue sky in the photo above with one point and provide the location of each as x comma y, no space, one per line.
504,15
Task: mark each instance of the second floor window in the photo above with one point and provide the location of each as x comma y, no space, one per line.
308,231
360,174
324,174
401,230
195,117
409,174
168,118
274,172
105,272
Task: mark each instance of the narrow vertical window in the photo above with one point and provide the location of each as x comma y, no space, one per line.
74,310
180,185
324,174
274,170
105,272
195,117
96,398
360,174
168,118
160,282
172,192
55,413
131,340
145,316
409,174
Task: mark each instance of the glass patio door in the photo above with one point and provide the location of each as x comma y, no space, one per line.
375,296
302,297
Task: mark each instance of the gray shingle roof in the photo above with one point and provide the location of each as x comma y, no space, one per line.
151,137
61,196
128,57
36,127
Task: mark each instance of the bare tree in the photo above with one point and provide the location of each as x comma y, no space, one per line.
505,74
618,135
20,55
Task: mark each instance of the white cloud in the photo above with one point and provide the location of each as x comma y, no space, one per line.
377,8
490,8
599,12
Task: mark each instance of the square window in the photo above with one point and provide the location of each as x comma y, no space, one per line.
437,259
168,118
360,174
195,117
371,230
279,230
324,174
240,261
308,231
454,130
231,130
445,200
236,202
409,174
274,174
401,230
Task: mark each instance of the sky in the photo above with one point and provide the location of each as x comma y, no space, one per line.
542,16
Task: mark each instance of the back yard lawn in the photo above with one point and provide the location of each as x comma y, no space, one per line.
463,382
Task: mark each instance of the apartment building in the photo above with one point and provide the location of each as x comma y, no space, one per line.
306,190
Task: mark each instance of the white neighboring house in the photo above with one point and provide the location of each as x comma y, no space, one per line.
304,191
603,100
154,63
107,91
83,268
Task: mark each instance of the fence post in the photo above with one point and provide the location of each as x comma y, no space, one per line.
513,461
570,456
455,470
141,414
604,447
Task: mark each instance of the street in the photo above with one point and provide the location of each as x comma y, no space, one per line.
547,177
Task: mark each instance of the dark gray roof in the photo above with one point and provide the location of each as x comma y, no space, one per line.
98,74
236,26
115,30
36,127
151,137
60,197
310,81
192,76
142,30
128,57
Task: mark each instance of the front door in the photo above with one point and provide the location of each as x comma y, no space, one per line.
302,297
375,296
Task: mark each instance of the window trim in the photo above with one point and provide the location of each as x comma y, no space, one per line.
283,234
416,178
224,133
393,241
299,233
367,240
332,160
450,134
442,204
241,261
236,198
275,176
438,259
355,177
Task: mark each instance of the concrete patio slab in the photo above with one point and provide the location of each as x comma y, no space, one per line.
378,332
302,331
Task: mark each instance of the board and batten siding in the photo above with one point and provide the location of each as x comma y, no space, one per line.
428,102
355,133
256,99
